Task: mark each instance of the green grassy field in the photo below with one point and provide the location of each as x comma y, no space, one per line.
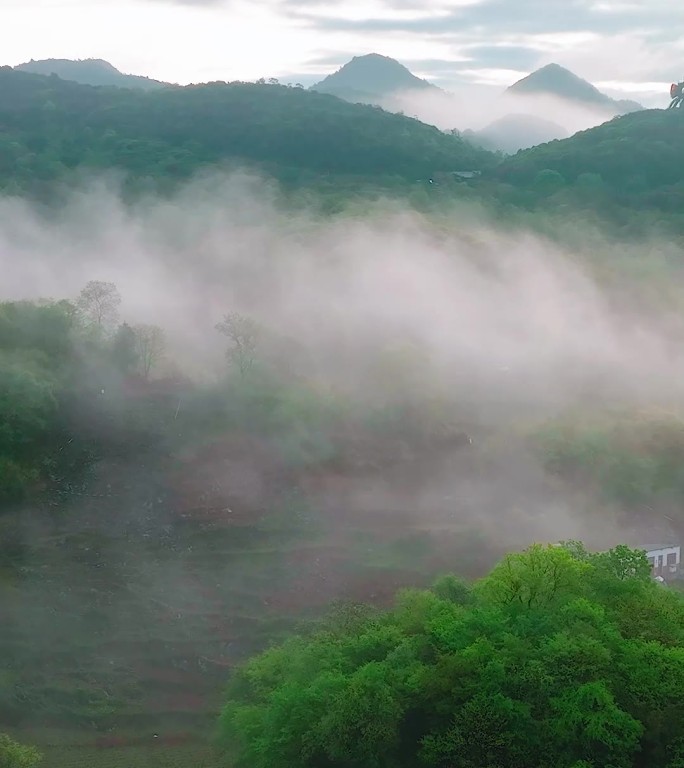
188,756
123,632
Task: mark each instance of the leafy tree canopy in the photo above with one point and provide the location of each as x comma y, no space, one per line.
15,755
559,657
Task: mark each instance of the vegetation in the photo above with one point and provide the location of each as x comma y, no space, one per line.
51,127
631,162
557,658
632,459
56,357
14,755
156,530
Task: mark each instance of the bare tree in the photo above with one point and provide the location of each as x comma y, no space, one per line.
244,334
150,344
99,304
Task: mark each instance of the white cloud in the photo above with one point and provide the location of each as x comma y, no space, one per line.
178,43
616,41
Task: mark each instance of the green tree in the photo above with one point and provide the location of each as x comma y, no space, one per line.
537,666
125,352
15,755
548,181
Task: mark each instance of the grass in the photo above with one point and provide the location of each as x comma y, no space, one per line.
186,756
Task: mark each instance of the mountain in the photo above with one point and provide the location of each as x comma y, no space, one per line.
51,126
634,160
554,80
88,72
516,131
370,78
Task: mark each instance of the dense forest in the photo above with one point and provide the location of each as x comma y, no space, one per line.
257,399
631,161
51,126
625,171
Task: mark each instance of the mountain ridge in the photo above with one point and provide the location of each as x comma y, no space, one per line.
94,72
175,131
554,80
637,155
370,77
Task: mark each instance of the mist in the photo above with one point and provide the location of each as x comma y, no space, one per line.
471,108
508,325
387,306
521,315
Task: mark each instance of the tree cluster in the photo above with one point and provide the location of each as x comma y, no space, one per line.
558,658
56,357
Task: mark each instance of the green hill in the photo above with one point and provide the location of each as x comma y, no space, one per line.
634,160
371,78
50,126
88,72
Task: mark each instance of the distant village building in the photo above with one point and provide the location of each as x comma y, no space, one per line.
466,174
446,176
665,561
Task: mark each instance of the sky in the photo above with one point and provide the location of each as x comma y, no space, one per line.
628,48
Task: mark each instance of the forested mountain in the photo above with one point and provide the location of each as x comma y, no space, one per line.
554,80
51,126
632,160
370,78
88,72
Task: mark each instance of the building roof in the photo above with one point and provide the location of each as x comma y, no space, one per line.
659,547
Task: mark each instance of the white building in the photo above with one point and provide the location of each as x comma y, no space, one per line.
665,561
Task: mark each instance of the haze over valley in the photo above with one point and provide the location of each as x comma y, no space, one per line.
341,415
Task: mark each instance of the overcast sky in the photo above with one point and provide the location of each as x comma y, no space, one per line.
630,47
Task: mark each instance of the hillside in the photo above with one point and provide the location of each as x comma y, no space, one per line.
370,78
52,126
514,132
554,80
89,72
635,160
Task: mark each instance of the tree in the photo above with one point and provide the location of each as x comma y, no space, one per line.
534,667
99,304
548,181
536,578
15,755
150,344
244,334
27,412
125,353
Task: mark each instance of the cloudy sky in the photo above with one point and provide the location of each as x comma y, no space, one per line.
627,47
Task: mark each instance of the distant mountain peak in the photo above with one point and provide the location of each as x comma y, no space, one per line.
370,77
555,80
516,131
558,81
96,72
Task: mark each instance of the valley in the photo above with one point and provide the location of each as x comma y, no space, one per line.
305,408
